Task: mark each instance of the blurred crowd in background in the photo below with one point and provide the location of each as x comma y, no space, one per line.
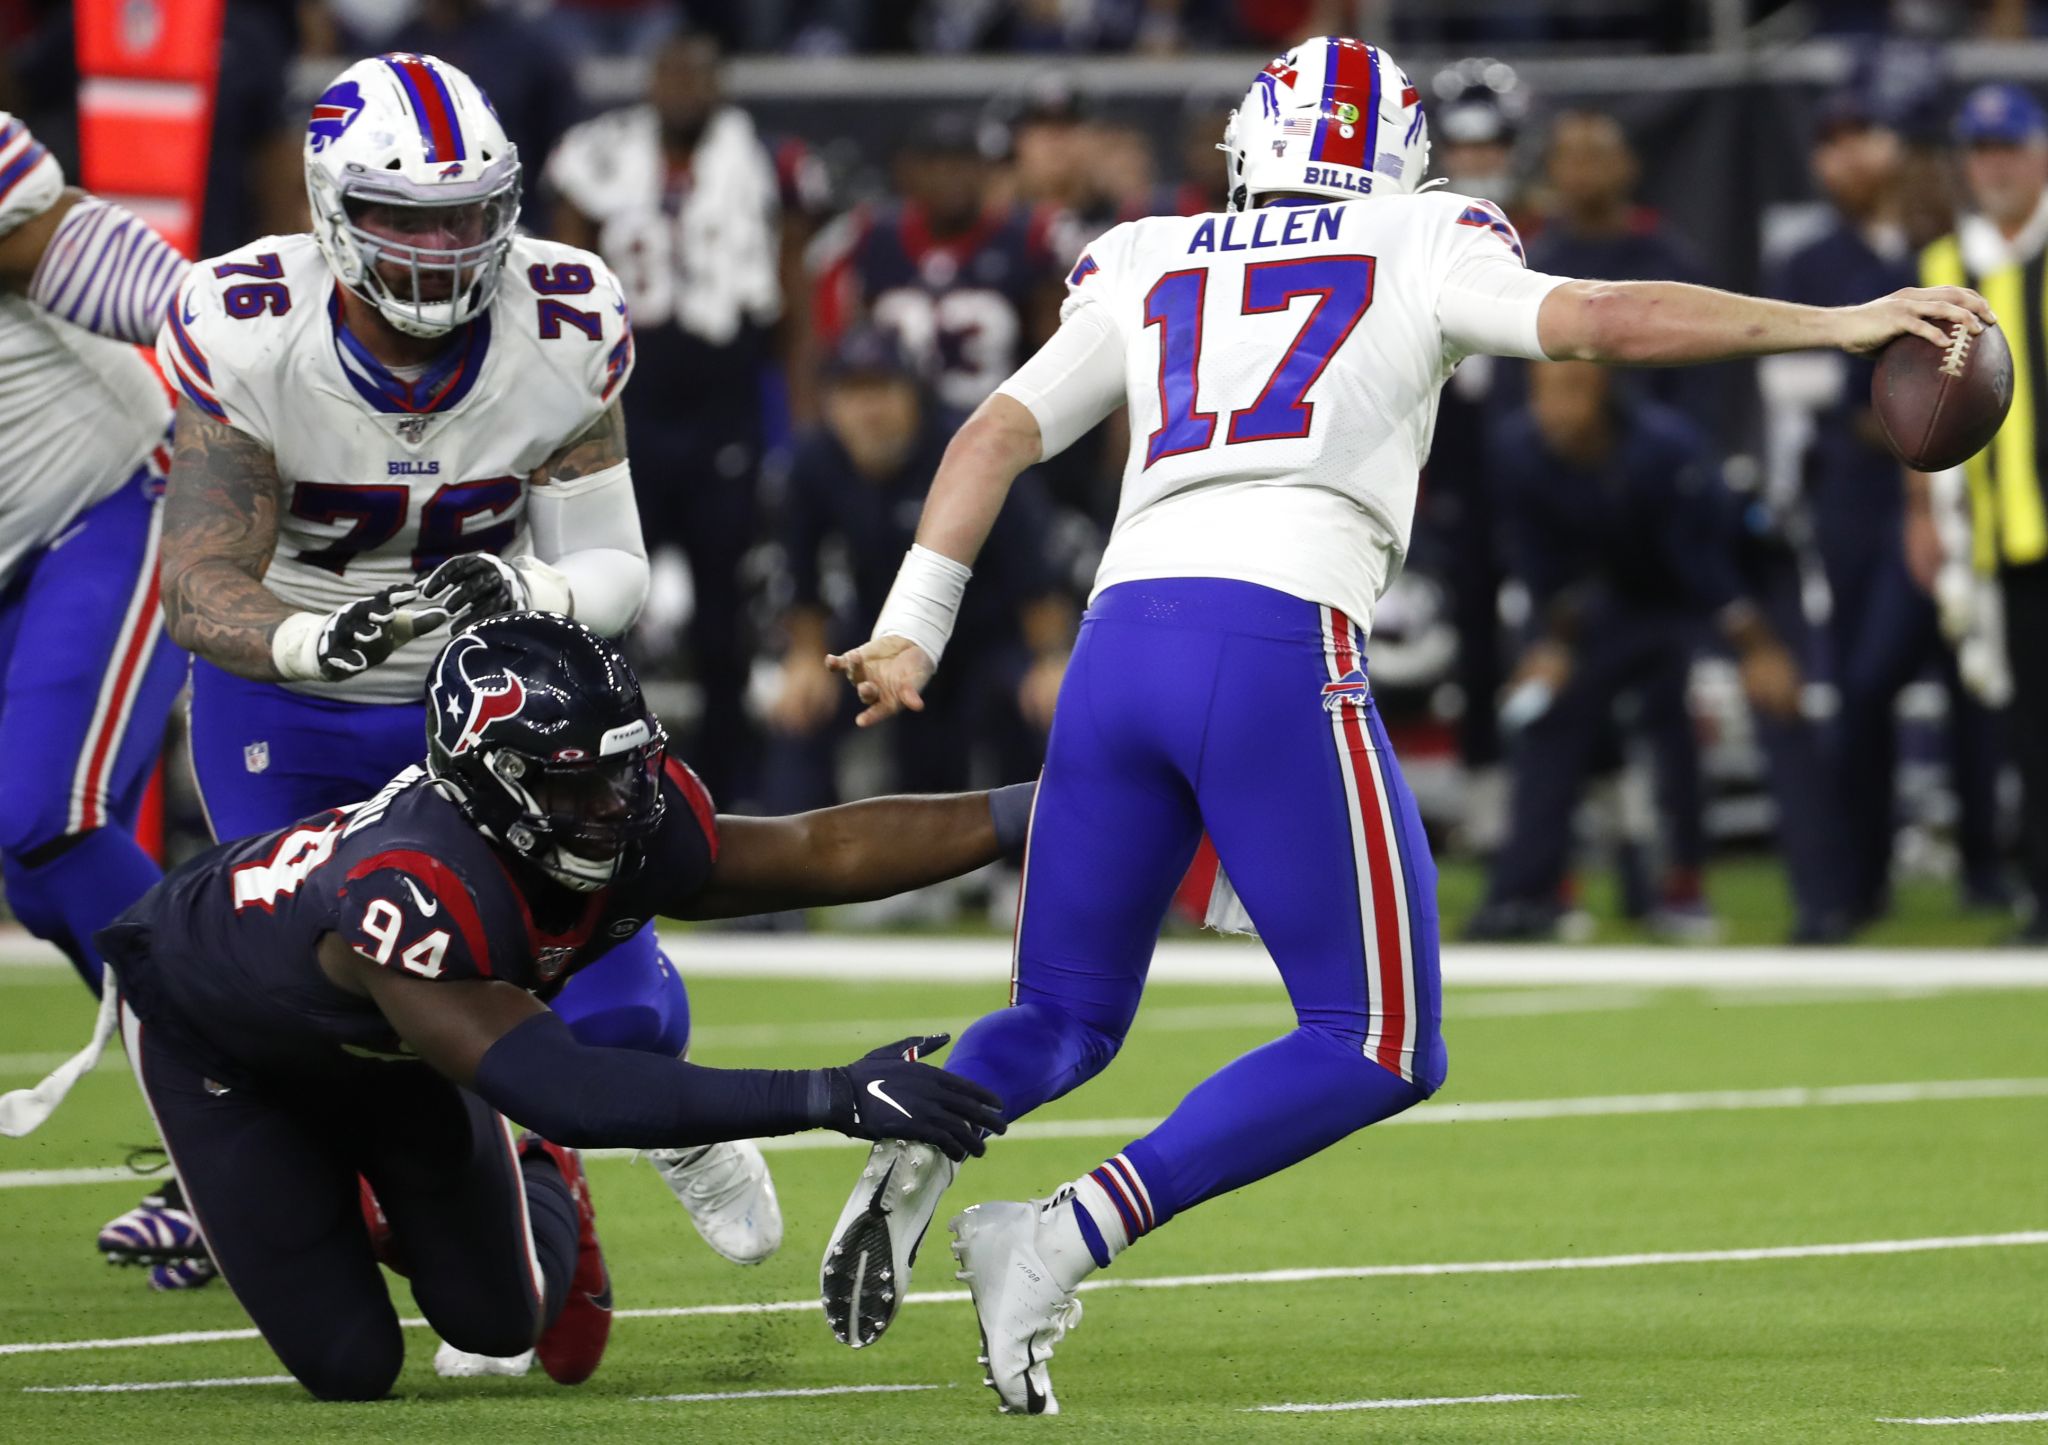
1645,615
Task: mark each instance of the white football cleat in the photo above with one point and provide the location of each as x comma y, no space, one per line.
729,1195
866,1271
453,1364
1022,1309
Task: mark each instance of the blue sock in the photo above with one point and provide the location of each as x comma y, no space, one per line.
632,998
75,890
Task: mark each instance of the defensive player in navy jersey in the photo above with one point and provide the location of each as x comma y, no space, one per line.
967,285
364,994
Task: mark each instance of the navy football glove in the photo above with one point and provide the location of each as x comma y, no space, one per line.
889,1095
474,586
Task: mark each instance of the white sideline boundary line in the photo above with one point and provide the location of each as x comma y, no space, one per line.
1494,1111
1855,1248
789,1394
141,1385
1417,1404
1965,1419
862,958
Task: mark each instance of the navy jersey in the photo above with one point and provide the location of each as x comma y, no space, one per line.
1648,529
1856,482
229,958
961,306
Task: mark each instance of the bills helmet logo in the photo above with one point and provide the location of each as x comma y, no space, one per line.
333,113
474,703
1350,688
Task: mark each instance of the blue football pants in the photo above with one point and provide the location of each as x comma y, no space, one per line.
87,679
1192,704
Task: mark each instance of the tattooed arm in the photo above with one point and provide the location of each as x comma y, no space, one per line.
220,526
588,560
598,447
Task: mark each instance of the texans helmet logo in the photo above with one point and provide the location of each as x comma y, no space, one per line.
478,703
334,113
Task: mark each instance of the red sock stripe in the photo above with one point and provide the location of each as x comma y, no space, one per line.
1129,1177
1113,1187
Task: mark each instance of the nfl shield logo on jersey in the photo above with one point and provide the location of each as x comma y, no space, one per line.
412,428
256,756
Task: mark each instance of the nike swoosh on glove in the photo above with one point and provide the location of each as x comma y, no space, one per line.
357,637
474,586
888,1094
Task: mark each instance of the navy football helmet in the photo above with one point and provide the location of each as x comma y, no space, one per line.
537,728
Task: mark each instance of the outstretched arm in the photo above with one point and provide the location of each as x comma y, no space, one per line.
1669,323
985,456
871,849
507,1047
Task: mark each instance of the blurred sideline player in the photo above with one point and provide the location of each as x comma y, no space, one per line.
967,282
1281,365
87,676
407,418
362,993
705,231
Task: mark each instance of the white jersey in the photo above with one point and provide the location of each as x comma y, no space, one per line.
702,253
383,477
78,412
1282,369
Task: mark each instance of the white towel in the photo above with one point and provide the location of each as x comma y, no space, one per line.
22,1111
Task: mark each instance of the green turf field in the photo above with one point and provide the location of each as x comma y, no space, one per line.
1805,1346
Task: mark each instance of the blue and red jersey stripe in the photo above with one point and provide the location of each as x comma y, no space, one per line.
432,106
443,385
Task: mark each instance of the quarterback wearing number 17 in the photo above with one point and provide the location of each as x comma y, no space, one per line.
1281,363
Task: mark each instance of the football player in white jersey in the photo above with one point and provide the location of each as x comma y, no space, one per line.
87,676
408,419
1281,364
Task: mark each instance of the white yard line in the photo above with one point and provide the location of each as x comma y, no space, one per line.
2012,1240
1320,1409
1966,1419
792,1394
155,1385
863,958
1482,1111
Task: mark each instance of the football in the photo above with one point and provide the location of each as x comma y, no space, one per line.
1939,405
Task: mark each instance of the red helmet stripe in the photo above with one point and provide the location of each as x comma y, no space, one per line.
431,101
1350,74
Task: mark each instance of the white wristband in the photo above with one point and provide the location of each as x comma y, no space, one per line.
547,590
925,600
295,647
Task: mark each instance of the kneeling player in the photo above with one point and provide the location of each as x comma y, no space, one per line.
364,994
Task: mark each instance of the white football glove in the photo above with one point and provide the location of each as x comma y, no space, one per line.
355,638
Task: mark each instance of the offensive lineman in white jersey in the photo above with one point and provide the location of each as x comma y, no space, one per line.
86,675
407,419
1282,365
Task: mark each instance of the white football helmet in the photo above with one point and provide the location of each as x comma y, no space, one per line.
414,189
1332,117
